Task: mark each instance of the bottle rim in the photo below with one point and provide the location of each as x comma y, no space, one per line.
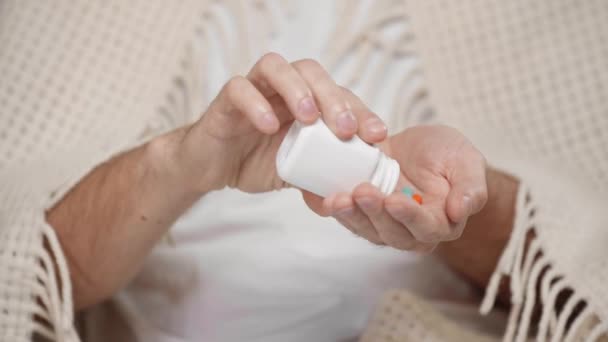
386,174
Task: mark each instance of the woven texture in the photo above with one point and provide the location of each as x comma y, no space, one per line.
80,82
527,81
403,317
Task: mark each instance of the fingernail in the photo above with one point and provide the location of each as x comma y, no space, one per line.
375,126
268,120
308,108
346,122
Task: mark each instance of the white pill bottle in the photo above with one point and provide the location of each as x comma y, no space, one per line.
312,158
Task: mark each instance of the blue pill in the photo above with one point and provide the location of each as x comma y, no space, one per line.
408,191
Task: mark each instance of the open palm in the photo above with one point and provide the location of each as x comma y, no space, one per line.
437,162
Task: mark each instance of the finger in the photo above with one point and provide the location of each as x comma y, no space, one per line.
336,109
315,203
420,221
371,128
273,74
347,213
392,232
240,95
468,193
280,109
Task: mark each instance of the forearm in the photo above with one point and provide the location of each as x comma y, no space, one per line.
110,220
476,253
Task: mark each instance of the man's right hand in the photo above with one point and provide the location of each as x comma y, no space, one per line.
235,142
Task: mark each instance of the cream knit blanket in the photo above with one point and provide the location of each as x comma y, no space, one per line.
81,81
527,81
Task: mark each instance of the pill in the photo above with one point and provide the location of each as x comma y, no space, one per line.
417,198
408,191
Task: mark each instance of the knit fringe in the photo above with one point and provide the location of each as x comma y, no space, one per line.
533,279
52,306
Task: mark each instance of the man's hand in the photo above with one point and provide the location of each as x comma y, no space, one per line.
437,161
246,123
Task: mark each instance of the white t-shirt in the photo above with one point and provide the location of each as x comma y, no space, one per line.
266,268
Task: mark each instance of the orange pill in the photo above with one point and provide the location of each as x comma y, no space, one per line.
417,198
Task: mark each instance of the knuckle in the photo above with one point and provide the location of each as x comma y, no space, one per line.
312,71
271,61
370,116
272,58
235,86
333,100
337,105
307,64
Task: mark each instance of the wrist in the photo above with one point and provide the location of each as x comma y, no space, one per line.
498,214
177,163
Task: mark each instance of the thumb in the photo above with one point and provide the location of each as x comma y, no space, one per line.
469,190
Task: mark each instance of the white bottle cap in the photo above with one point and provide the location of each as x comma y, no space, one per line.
386,175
